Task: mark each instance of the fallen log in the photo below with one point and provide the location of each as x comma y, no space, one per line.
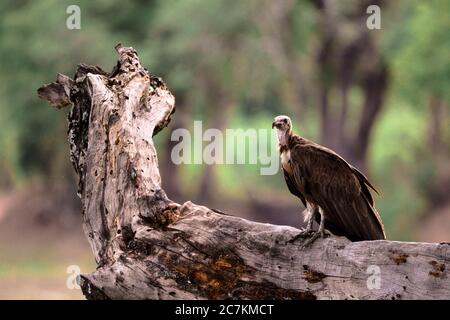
149,247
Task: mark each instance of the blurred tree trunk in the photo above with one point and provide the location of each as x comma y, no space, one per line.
350,57
436,120
438,183
342,65
335,67
6,176
168,168
219,108
374,87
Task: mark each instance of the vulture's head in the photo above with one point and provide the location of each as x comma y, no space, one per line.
282,123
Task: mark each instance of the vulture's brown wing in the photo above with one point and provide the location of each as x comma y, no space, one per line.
292,187
339,189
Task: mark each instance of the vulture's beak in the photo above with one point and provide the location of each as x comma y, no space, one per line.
273,124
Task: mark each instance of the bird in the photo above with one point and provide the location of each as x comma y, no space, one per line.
336,194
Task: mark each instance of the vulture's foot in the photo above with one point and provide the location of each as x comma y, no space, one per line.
303,234
316,235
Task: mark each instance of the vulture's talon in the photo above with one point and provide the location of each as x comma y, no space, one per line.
303,234
313,238
319,234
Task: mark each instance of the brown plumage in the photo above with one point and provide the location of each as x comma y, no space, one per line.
332,190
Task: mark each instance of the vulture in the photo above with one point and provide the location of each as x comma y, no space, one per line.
336,194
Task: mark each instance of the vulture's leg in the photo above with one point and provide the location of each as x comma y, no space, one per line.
320,233
310,220
309,213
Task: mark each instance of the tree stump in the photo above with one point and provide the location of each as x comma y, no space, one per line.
149,247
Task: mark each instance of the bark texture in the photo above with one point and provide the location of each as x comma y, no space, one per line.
149,247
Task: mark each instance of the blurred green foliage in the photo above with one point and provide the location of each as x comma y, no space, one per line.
181,40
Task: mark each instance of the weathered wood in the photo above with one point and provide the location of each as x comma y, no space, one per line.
147,246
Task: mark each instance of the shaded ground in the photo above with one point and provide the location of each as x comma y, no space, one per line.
436,226
40,236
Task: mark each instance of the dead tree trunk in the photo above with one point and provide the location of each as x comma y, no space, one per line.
147,246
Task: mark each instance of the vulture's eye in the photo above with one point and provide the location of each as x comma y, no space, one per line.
285,120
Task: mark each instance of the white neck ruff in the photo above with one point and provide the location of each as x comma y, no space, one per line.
282,138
